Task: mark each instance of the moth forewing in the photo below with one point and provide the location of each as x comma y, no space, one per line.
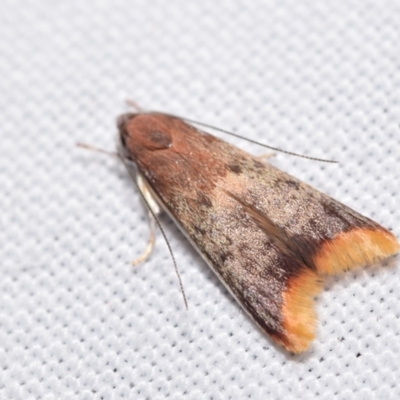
268,236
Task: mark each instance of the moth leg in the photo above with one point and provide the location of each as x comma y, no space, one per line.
152,222
134,105
265,157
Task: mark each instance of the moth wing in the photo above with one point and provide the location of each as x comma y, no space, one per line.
267,235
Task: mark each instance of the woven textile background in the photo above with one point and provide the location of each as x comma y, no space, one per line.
77,321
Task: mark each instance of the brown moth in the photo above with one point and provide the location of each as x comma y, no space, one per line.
268,236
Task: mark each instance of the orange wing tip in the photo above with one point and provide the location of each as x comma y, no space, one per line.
357,247
299,316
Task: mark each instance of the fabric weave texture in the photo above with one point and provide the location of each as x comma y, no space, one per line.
77,320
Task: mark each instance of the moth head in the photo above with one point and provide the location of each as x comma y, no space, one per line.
122,124
143,131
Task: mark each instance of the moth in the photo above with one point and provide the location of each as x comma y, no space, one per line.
269,237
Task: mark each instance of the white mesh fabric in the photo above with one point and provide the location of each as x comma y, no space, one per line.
77,321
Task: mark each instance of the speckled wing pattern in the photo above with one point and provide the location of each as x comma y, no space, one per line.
268,236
